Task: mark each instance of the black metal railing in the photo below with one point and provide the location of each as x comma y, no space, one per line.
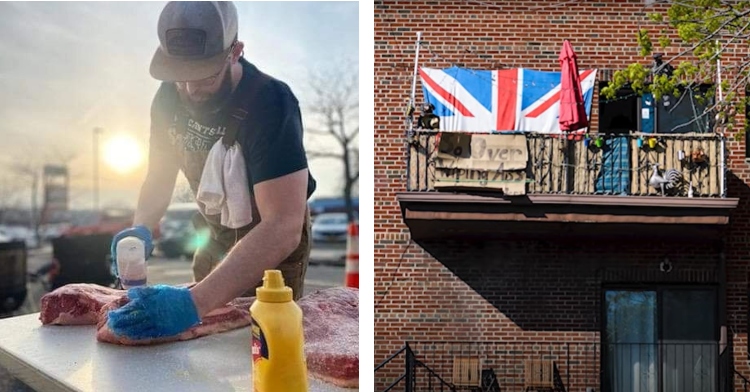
417,376
407,361
618,164
572,366
425,379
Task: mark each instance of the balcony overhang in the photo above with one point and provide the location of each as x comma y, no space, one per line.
436,215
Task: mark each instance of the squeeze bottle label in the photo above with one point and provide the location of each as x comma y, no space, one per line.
260,347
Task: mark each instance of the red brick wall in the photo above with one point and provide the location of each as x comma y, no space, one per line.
424,299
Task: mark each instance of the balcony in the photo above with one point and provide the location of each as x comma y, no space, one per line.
564,184
571,366
621,165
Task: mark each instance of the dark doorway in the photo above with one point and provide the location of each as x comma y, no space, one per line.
620,114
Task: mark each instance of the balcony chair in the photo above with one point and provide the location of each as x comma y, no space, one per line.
539,375
467,373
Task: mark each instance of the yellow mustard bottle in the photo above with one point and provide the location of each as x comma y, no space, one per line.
278,339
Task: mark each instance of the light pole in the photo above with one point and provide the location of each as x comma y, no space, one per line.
97,131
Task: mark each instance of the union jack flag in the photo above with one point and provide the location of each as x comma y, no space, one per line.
468,100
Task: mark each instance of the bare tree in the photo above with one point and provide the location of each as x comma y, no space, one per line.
335,105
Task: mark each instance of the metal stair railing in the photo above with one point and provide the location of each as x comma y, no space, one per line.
411,363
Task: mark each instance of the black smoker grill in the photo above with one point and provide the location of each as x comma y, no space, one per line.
82,259
12,275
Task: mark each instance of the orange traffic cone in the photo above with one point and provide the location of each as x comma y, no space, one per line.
352,256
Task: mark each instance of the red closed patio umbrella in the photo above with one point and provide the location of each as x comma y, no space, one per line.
572,110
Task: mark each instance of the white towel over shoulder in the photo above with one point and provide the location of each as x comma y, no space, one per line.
224,188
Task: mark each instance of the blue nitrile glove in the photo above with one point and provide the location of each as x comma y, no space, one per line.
140,232
154,312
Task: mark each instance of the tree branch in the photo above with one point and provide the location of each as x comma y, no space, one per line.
702,41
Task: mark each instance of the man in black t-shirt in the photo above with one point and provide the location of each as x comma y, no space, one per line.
210,93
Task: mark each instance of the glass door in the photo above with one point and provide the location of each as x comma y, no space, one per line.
661,340
630,341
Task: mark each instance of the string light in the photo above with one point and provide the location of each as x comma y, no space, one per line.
598,163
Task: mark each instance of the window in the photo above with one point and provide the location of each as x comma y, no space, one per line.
628,112
678,114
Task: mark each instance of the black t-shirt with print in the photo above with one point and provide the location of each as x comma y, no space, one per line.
271,135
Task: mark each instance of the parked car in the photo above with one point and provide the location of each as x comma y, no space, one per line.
322,205
20,233
50,231
5,238
330,227
178,234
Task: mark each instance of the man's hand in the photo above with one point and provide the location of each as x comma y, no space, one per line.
140,232
154,312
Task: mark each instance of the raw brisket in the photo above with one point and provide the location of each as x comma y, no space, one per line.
331,319
76,304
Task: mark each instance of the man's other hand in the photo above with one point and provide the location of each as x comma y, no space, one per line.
140,232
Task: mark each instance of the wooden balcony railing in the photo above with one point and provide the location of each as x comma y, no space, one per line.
620,164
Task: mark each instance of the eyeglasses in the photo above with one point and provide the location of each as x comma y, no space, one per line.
211,80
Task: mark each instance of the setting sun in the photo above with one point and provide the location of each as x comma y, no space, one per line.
122,154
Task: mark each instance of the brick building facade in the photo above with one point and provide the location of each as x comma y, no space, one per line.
532,292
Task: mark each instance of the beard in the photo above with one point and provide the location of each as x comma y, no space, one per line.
214,103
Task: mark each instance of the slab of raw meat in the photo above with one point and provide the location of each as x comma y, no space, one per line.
235,314
331,323
79,303
76,304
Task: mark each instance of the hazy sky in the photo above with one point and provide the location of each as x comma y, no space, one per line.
67,67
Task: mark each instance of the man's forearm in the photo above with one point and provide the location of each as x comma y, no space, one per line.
264,247
153,201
